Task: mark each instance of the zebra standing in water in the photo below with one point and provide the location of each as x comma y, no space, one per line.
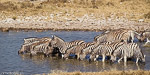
87,50
40,47
76,50
59,43
104,50
117,35
128,51
28,42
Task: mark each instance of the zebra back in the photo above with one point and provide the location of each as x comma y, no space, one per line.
89,48
119,35
30,40
41,47
78,48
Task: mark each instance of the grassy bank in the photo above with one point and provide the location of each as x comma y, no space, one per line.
131,72
128,9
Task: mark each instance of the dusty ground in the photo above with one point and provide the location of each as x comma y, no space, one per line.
75,15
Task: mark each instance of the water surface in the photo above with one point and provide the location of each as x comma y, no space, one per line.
10,61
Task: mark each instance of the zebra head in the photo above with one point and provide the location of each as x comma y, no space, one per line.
65,56
143,58
113,58
24,49
93,56
56,41
48,51
141,37
82,56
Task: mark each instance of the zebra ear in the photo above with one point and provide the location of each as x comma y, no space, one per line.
53,36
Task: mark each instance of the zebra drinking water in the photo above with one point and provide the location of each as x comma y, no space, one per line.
59,43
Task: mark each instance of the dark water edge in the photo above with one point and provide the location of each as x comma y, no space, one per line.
10,61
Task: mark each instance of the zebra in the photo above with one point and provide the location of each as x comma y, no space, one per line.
40,47
144,36
76,50
121,35
104,50
59,43
87,50
128,51
28,42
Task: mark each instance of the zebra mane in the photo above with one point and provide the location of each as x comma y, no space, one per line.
57,38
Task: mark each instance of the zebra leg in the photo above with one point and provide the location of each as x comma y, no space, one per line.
103,57
78,56
132,34
125,59
120,59
137,59
62,55
97,56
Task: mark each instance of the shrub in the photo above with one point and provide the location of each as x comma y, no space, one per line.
26,5
14,17
39,7
147,15
8,6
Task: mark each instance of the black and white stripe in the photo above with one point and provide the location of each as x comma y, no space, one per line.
131,50
76,50
62,45
117,35
104,50
28,42
40,47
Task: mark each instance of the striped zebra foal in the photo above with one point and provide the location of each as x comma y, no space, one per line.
76,50
131,50
104,50
121,35
59,43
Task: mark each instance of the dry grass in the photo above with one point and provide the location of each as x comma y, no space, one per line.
131,72
130,9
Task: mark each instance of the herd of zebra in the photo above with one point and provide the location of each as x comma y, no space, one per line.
114,44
